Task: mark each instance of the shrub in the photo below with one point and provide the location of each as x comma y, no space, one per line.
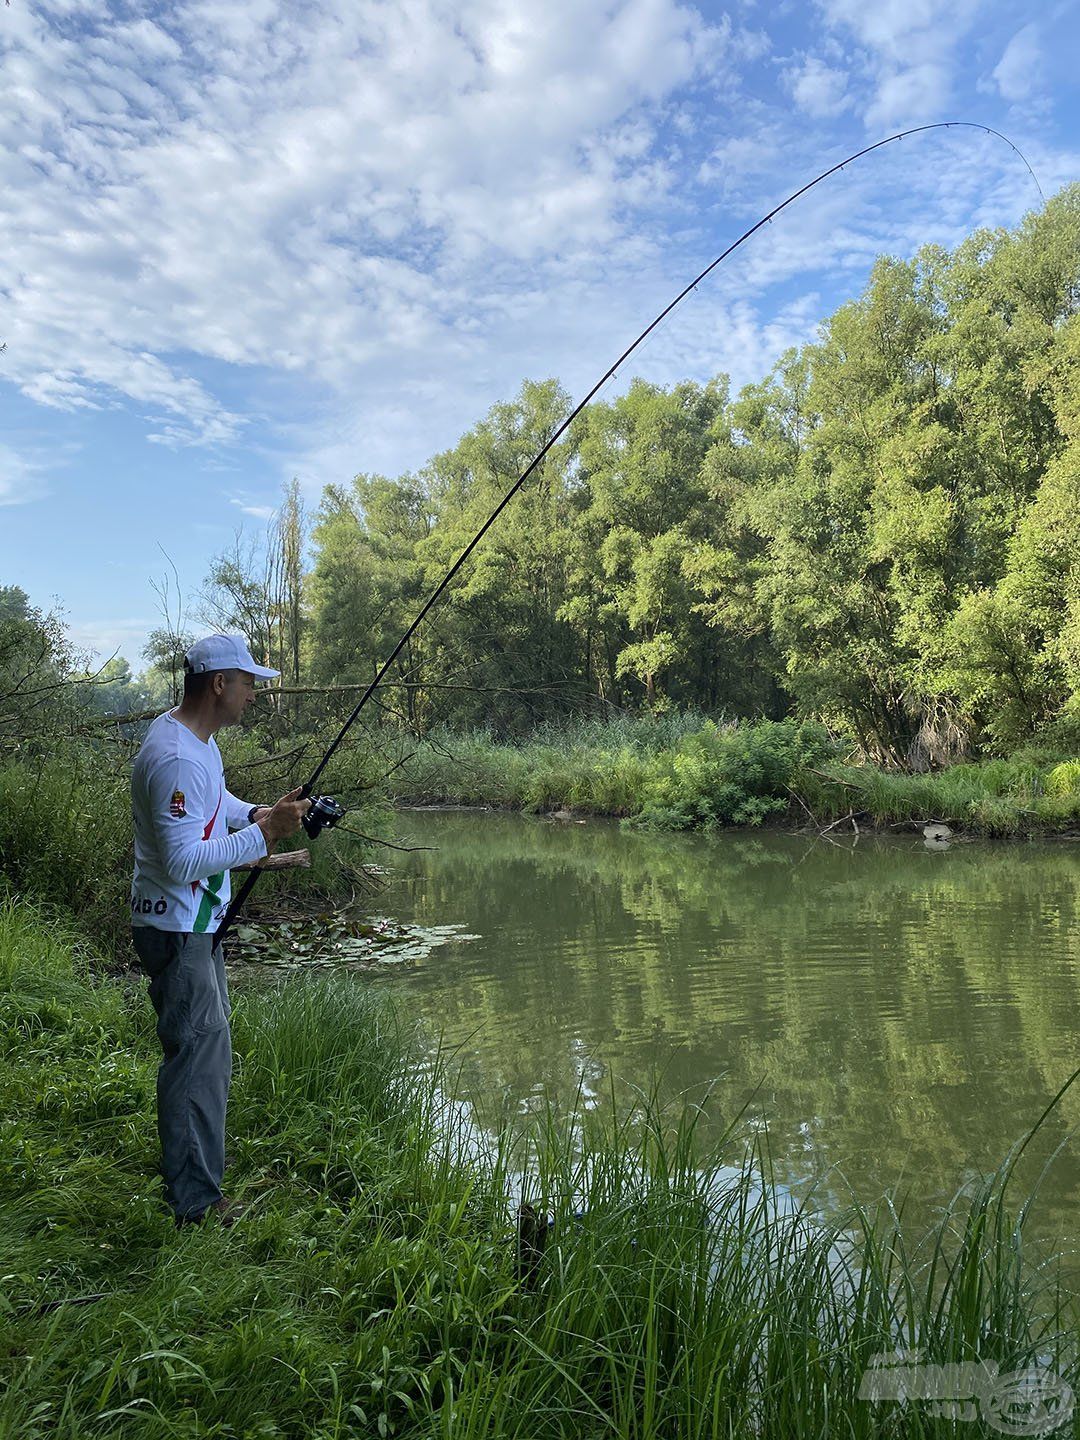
732,776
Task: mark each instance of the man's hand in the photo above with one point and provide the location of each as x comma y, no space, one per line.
284,818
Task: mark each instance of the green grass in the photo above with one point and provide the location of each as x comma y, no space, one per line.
597,767
374,1288
1003,798
65,834
678,770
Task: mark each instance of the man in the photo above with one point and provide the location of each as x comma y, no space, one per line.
183,814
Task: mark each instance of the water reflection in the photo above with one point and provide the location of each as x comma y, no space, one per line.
900,1012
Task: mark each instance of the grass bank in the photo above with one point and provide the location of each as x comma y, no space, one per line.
687,772
375,1288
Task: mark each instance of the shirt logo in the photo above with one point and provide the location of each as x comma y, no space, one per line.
177,804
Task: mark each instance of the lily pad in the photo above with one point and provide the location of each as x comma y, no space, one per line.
337,938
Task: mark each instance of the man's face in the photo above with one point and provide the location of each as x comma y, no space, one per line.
238,692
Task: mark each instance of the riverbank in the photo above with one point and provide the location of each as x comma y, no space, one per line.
65,829
683,773
377,1288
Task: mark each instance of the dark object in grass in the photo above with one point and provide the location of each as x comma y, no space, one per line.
46,1307
532,1233
226,1211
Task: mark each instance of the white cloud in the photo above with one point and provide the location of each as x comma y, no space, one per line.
1018,69
907,97
902,30
739,158
819,89
21,478
908,50
248,507
315,191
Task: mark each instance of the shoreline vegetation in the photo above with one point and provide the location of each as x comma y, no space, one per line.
688,772
383,1283
65,828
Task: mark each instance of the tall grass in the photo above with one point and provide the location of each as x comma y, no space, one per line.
675,770
991,798
375,1287
65,834
596,766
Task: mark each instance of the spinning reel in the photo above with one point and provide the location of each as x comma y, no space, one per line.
325,813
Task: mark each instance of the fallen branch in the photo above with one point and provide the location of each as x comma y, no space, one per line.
796,796
833,779
375,840
849,816
96,721
287,860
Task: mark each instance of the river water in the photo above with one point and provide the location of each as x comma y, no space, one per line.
896,1016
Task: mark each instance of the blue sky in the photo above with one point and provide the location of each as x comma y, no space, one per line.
245,240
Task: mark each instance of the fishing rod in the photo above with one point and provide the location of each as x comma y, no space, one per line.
325,811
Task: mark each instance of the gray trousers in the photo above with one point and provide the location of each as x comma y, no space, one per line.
191,998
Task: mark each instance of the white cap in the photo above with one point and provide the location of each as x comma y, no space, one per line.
224,652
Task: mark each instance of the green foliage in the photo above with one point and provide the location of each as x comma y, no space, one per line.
993,798
36,658
730,776
679,772
881,534
671,771
1064,779
65,836
594,767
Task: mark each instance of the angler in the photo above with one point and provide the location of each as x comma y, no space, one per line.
183,816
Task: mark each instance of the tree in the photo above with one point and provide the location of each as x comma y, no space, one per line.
641,458
37,661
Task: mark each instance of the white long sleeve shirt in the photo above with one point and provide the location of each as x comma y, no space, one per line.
182,815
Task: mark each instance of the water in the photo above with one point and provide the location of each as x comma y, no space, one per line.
896,1016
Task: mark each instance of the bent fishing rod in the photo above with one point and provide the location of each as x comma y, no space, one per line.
325,812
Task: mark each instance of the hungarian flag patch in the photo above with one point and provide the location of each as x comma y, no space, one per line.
177,805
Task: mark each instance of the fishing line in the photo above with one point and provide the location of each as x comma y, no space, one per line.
560,431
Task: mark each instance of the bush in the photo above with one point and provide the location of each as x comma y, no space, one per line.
731,777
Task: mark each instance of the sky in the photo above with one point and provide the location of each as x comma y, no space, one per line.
249,240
